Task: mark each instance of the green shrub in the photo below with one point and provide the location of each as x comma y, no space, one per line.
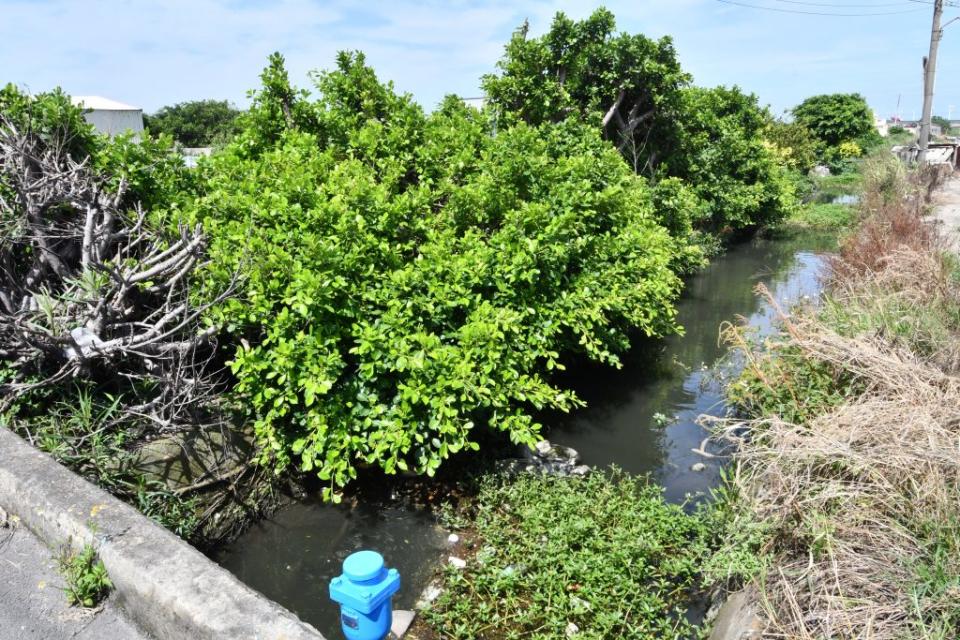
724,157
87,582
793,144
824,216
784,382
408,277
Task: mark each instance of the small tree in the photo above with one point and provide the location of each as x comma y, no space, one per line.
628,84
200,123
837,118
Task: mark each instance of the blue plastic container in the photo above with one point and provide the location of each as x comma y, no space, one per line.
363,593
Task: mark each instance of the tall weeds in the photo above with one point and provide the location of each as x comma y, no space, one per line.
862,493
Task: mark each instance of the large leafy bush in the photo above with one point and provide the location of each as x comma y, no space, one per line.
725,157
409,277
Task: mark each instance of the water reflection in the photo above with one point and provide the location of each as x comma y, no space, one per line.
676,379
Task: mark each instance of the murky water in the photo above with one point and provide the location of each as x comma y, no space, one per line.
292,557
641,418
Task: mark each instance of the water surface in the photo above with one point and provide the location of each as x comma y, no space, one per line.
291,557
642,417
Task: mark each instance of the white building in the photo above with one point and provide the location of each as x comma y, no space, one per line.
476,103
881,124
109,116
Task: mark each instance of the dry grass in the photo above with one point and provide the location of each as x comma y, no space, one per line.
864,498
891,213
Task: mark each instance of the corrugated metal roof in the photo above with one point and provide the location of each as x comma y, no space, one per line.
102,104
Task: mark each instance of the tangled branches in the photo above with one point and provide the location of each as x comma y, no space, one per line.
89,287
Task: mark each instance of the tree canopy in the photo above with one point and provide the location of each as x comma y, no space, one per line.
633,89
836,118
199,123
627,84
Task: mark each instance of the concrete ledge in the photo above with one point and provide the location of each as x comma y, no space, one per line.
737,618
166,586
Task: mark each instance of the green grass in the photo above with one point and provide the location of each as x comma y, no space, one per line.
605,553
936,586
823,216
81,430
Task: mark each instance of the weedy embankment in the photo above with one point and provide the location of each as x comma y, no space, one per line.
852,462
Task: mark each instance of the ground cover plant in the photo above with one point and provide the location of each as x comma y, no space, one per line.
597,557
853,418
87,582
823,215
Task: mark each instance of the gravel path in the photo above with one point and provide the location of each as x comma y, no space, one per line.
946,202
32,604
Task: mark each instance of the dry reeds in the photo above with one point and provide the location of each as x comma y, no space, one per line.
864,499
891,214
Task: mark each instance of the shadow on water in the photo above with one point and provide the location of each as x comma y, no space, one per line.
291,557
642,417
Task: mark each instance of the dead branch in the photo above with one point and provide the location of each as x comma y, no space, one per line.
89,286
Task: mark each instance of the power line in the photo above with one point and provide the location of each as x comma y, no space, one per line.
901,3
948,3
819,13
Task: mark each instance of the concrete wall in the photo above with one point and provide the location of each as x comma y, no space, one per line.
115,122
166,586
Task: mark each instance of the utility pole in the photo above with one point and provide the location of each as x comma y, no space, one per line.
929,76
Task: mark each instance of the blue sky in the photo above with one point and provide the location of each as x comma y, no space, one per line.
161,52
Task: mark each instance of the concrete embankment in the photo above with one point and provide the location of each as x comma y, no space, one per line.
167,587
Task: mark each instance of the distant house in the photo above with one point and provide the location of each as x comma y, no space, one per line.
881,124
476,103
109,116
